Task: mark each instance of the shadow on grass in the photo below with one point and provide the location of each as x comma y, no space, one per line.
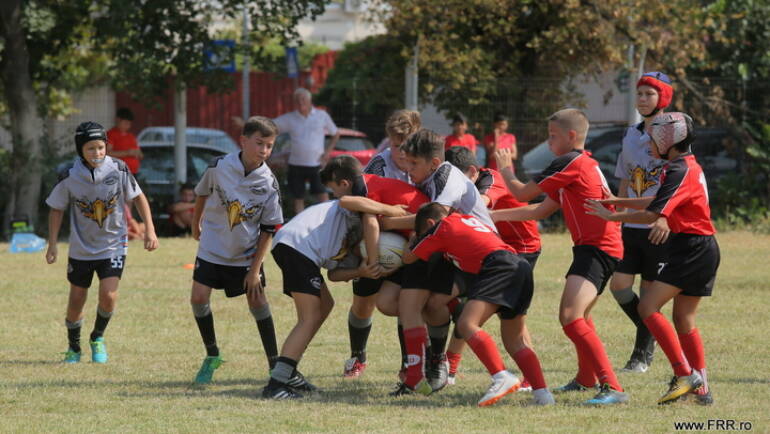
29,362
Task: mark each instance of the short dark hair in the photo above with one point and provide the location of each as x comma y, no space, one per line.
461,158
186,186
424,143
433,210
341,167
459,119
125,113
499,117
259,124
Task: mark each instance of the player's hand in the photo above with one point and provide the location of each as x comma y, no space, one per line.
397,210
504,158
196,231
388,271
253,284
372,271
659,231
384,223
150,241
325,158
52,253
595,207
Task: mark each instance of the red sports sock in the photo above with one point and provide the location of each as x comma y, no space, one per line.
666,336
486,350
586,374
415,354
530,367
692,345
584,337
454,361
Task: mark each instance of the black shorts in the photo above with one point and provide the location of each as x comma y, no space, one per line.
530,257
640,256
81,273
225,277
593,264
300,274
690,262
364,287
436,275
298,175
505,279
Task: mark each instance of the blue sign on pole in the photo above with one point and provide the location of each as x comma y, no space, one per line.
220,55
292,62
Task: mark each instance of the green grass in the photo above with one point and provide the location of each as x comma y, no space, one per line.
155,351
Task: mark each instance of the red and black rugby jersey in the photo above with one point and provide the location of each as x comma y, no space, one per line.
570,180
390,192
464,239
522,236
683,197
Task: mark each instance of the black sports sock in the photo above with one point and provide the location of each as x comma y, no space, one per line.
438,338
266,328
644,342
632,311
358,329
100,324
206,327
73,334
402,344
284,369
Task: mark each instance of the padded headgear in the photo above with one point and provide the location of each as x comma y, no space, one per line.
660,82
86,132
671,129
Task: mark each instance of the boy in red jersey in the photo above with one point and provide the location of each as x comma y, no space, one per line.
502,285
500,138
374,195
459,136
572,178
690,259
523,237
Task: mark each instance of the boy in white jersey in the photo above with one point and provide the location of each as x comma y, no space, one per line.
639,173
390,163
321,236
240,205
428,285
96,187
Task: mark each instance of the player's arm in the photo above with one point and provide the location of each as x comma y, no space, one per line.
55,217
597,208
195,225
150,239
629,202
371,231
251,282
409,257
523,192
623,190
365,205
394,223
486,200
373,271
537,211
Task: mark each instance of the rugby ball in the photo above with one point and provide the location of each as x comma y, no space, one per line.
391,248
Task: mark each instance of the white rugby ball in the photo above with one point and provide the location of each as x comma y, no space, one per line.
391,249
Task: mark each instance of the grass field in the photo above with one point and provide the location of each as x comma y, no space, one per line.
155,351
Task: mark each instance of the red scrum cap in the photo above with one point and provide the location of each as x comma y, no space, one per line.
660,82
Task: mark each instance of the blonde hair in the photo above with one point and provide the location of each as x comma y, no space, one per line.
571,119
402,123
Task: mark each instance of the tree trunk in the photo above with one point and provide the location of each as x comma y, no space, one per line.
26,124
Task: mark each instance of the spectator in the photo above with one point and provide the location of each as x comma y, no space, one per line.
459,136
500,138
182,212
121,143
307,128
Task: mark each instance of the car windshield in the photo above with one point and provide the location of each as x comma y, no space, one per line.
216,139
352,144
158,164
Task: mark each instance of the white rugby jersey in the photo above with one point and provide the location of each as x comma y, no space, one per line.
97,198
450,187
238,204
383,165
636,163
324,233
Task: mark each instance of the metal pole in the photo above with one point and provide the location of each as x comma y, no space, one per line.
355,103
411,87
246,66
639,71
180,142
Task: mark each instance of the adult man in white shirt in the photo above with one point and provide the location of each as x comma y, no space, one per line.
307,128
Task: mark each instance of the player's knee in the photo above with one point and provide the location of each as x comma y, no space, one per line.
387,307
568,315
646,308
683,323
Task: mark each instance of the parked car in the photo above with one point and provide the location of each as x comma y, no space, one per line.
351,142
156,174
605,144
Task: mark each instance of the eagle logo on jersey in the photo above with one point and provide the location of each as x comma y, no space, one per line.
99,209
237,212
641,179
